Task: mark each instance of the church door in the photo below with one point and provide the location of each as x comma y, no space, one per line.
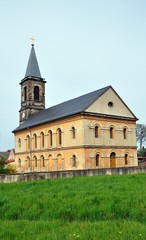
112,160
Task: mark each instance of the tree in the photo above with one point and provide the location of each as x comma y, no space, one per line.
141,134
142,152
11,168
2,163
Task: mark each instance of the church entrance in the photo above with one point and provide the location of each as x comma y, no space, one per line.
112,160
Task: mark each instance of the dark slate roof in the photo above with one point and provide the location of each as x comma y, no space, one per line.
32,66
65,109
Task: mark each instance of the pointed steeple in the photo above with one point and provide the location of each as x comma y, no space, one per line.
32,88
32,66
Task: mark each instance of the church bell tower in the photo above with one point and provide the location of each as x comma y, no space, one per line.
32,88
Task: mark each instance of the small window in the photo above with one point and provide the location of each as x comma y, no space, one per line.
28,161
42,139
25,93
97,160
111,132
74,161
110,104
19,162
125,133
35,140
42,161
27,142
73,133
96,131
19,142
126,159
59,136
35,162
50,138
36,93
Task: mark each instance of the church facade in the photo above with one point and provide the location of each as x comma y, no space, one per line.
95,130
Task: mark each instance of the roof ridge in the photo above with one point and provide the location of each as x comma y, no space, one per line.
83,95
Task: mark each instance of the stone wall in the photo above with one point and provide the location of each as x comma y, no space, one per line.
68,174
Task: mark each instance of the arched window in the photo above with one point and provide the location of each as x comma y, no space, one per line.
50,138
97,160
42,140
34,141
27,142
96,130
35,162
59,136
111,132
19,162
28,162
42,161
50,162
74,163
19,142
59,163
112,160
73,133
125,133
126,159
25,93
36,93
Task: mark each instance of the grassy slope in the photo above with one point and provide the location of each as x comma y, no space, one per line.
101,207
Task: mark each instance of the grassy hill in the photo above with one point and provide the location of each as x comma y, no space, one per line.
89,208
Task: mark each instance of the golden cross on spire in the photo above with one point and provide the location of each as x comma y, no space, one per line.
32,41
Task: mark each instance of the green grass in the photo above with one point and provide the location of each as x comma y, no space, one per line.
100,207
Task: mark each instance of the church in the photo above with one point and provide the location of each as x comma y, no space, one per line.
95,130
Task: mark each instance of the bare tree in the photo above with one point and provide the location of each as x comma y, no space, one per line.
141,134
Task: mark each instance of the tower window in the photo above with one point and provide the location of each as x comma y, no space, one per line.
36,93
25,93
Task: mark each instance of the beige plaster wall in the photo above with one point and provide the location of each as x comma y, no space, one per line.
85,146
104,132
101,105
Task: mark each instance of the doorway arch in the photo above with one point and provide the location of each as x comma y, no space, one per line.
112,160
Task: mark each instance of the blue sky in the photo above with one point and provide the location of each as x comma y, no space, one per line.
81,46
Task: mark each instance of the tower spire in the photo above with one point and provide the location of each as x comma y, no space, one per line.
32,88
32,66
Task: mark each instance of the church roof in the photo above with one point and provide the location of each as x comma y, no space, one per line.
74,106
32,66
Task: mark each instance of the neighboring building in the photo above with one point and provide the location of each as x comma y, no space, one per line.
8,156
96,130
11,157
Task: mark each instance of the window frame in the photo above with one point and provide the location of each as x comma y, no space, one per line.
111,132
36,93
